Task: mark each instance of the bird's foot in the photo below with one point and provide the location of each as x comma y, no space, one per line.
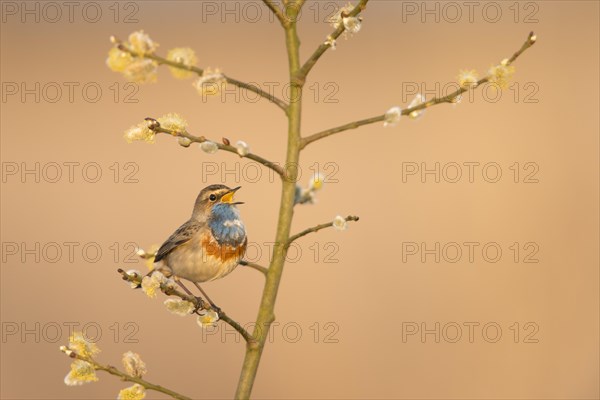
201,304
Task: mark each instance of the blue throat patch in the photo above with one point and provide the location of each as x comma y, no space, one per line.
221,223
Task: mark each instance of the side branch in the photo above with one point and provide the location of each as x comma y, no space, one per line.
316,229
226,147
258,267
199,71
351,125
450,98
171,291
301,75
149,386
277,11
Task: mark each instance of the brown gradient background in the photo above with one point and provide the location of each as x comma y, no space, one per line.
370,292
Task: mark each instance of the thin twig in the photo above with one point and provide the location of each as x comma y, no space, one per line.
255,266
531,39
245,334
171,291
351,125
226,147
301,75
199,71
128,378
317,228
277,11
300,4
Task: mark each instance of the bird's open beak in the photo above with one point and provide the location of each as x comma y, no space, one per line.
228,196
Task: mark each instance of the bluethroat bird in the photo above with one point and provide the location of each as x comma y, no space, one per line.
210,244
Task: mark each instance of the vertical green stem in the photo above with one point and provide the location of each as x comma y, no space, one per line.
266,314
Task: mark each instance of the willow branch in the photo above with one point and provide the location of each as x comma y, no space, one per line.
150,386
255,266
310,63
171,291
299,5
276,11
450,98
351,125
266,311
245,334
531,39
317,228
199,71
155,126
125,377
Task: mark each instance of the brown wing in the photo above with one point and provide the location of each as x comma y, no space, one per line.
183,234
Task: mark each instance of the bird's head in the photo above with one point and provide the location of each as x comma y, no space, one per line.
212,196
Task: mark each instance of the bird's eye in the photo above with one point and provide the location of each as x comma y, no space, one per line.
212,197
